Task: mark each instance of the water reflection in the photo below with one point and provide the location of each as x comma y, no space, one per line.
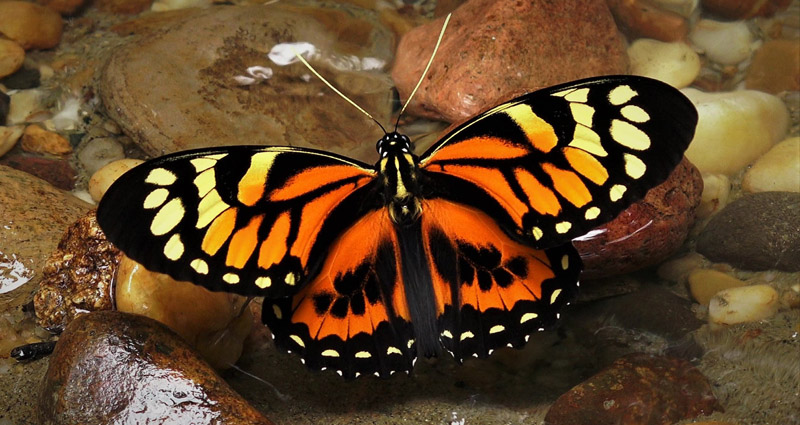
13,273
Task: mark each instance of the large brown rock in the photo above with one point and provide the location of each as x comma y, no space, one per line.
110,367
494,50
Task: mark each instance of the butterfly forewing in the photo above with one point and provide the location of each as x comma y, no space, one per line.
250,220
551,165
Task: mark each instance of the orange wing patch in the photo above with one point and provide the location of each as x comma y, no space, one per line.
353,316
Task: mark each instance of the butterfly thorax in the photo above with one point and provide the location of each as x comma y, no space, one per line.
398,168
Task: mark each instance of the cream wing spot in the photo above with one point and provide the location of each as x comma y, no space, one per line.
564,262
466,335
616,192
209,208
580,95
330,353
199,265
277,311
174,248
587,139
634,167
621,95
203,163
527,317
554,296
167,217
592,213
263,282
582,114
537,233
363,355
298,340
205,181
635,113
563,227
161,177
447,334
155,199
496,329
231,278
626,134
290,279
393,350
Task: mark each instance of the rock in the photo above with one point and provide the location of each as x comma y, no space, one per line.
24,78
214,323
31,25
704,284
648,231
640,18
743,9
98,152
760,231
111,367
11,57
637,389
64,7
673,63
716,191
9,137
777,170
24,104
123,7
102,179
57,172
38,140
199,104
77,278
677,269
775,67
734,128
743,304
726,43
482,62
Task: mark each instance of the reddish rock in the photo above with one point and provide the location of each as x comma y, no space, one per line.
112,367
648,231
639,19
57,172
494,50
637,389
743,9
38,140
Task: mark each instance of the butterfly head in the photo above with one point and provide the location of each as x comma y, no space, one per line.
393,143
398,169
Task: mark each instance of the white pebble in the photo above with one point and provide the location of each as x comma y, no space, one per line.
726,43
24,104
104,177
685,8
734,128
743,304
99,152
673,63
9,137
777,170
716,191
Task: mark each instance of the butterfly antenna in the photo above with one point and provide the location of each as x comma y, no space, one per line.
427,67
314,71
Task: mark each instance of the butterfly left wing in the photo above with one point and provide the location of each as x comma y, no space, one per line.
553,164
353,316
491,291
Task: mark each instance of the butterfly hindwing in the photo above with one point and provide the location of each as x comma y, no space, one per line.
553,164
245,219
353,316
496,291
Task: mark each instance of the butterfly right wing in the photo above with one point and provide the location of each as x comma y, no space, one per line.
245,219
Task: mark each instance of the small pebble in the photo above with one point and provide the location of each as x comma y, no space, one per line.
673,63
38,140
102,179
777,170
775,67
24,104
31,25
9,137
639,18
98,152
716,192
704,284
11,57
24,78
743,304
726,43
677,270
734,128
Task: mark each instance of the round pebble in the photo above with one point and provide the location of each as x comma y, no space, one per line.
38,140
777,170
9,137
726,43
704,284
31,25
685,8
11,57
775,67
640,18
743,304
98,152
678,269
102,179
716,192
734,128
676,63
24,104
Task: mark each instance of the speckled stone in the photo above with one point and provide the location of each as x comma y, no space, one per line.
760,231
494,50
111,367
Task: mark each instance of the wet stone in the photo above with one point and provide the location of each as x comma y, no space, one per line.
664,390
547,42
194,100
57,172
5,103
24,78
112,367
760,231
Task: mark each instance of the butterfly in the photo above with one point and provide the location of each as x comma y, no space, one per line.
465,248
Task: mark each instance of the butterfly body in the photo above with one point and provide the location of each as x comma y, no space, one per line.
465,248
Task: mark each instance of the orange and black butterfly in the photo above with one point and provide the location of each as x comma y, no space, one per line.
465,248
